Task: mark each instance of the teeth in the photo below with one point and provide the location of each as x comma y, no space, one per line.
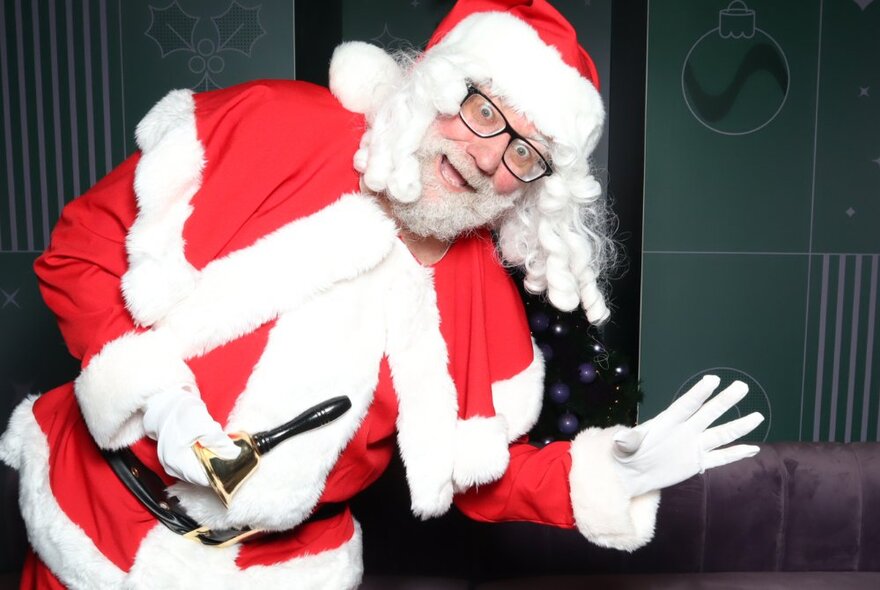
450,174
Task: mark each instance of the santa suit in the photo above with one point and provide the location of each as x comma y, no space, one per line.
233,253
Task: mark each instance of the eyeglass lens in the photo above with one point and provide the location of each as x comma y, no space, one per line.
484,119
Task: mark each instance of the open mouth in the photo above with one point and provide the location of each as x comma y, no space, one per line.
451,176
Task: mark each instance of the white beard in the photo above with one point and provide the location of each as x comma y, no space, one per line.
447,214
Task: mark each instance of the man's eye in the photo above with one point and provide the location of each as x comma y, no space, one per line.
523,152
487,112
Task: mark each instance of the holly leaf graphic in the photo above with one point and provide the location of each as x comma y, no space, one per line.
172,29
205,84
238,28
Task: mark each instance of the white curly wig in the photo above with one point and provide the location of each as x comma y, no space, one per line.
559,232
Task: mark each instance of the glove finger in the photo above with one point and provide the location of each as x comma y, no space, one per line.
715,407
184,465
685,406
728,455
730,431
220,444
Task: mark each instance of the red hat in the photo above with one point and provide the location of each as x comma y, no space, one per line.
552,28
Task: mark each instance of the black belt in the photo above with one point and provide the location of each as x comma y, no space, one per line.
150,490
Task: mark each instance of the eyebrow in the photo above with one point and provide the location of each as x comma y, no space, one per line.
541,140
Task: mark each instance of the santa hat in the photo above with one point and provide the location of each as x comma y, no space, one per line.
527,54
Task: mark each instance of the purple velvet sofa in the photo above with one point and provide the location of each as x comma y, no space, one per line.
797,516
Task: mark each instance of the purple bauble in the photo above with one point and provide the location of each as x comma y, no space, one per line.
559,329
540,321
547,351
568,423
547,440
587,373
560,392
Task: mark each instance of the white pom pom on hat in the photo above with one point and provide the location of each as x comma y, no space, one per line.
362,76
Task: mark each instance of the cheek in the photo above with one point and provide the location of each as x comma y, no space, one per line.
452,128
505,183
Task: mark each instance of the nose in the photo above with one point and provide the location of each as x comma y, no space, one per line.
488,151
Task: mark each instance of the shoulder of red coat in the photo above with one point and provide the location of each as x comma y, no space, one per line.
279,105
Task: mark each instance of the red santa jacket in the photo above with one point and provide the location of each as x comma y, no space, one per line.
234,254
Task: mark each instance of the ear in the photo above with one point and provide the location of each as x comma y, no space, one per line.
362,76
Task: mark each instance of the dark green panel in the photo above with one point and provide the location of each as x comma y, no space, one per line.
200,44
32,356
741,312
847,211
805,183
729,128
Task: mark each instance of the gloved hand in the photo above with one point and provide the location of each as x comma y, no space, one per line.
678,443
178,418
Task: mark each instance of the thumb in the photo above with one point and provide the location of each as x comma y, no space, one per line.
628,442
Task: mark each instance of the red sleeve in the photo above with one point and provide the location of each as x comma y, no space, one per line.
79,273
535,488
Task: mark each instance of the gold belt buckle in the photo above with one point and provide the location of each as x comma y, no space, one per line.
244,535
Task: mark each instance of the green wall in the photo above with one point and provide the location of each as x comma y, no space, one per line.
75,78
761,213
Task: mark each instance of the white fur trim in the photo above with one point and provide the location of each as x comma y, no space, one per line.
113,387
331,345
481,451
62,545
603,511
164,559
168,174
167,560
519,399
166,116
236,294
362,76
427,398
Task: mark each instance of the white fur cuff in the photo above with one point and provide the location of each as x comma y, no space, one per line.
519,398
481,452
114,386
603,512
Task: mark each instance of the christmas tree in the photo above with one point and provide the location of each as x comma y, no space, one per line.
585,385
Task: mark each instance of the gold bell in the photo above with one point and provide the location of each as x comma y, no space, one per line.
227,475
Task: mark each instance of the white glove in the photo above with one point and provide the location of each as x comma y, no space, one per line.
176,419
678,443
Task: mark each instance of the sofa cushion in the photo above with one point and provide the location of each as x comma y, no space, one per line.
707,581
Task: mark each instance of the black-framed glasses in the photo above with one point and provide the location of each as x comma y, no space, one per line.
484,119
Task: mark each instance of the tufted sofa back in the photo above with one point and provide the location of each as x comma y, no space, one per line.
793,507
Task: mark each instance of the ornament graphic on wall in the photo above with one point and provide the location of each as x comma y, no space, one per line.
735,78
9,298
756,399
391,42
237,29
